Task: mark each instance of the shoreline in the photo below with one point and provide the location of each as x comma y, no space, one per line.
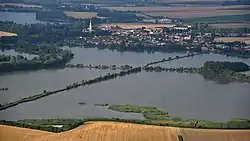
75,123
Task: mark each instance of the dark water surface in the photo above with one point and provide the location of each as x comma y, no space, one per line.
19,17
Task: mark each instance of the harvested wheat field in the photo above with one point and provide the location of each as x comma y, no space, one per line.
137,25
230,25
21,5
232,39
116,131
2,33
82,15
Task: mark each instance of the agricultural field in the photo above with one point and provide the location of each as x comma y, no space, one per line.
117,131
220,19
137,25
230,25
197,13
186,12
172,9
82,15
233,39
2,33
21,5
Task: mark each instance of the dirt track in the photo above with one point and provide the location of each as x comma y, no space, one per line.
114,131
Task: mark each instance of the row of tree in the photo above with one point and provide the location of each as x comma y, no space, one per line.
69,124
180,69
4,89
141,47
113,67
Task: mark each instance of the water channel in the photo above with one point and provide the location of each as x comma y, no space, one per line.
182,95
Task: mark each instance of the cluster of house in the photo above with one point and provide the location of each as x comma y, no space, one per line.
154,36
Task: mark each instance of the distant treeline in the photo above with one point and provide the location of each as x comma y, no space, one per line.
225,72
221,19
12,8
40,33
53,16
237,2
11,1
227,30
13,63
141,48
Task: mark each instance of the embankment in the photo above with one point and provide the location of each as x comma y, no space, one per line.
89,82
75,85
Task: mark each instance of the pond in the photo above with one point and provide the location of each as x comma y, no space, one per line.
182,95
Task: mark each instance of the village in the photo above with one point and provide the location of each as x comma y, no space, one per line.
172,37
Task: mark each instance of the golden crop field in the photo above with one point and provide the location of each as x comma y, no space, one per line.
137,25
230,25
232,39
82,15
186,12
2,33
21,5
117,131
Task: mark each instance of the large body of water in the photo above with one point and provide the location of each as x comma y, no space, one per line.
95,56
182,95
19,17
23,18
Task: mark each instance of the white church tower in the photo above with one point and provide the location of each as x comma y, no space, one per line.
90,26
